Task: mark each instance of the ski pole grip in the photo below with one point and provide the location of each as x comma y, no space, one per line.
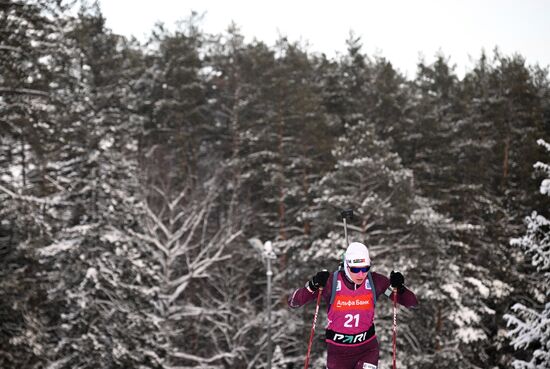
347,214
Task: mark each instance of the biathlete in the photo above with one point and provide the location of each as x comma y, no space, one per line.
351,294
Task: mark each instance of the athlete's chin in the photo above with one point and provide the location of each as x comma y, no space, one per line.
359,281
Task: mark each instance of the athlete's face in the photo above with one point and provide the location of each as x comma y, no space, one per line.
358,275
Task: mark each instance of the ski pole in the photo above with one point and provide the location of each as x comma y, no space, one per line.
394,325
346,214
320,291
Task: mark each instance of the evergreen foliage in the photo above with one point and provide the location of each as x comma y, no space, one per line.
132,177
529,325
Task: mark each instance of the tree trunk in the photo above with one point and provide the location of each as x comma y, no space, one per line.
505,163
282,233
438,328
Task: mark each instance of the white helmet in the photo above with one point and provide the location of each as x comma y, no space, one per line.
357,255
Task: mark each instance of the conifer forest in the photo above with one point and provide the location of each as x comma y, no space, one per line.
138,181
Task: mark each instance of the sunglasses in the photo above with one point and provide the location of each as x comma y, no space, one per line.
359,269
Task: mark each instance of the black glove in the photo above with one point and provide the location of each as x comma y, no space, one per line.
397,281
319,280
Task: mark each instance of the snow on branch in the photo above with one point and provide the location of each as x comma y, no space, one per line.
530,329
23,91
530,325
542,142
176,230
33,199
203,360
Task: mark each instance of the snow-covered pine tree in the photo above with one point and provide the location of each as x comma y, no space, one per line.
276,147
173,105
479,125
34,77
92,275
457,136
302,143
529,323
240,74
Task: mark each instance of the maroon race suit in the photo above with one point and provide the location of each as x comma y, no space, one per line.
350,336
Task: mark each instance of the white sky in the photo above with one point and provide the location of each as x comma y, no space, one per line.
400,30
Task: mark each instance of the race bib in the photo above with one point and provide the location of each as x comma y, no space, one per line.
343,303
